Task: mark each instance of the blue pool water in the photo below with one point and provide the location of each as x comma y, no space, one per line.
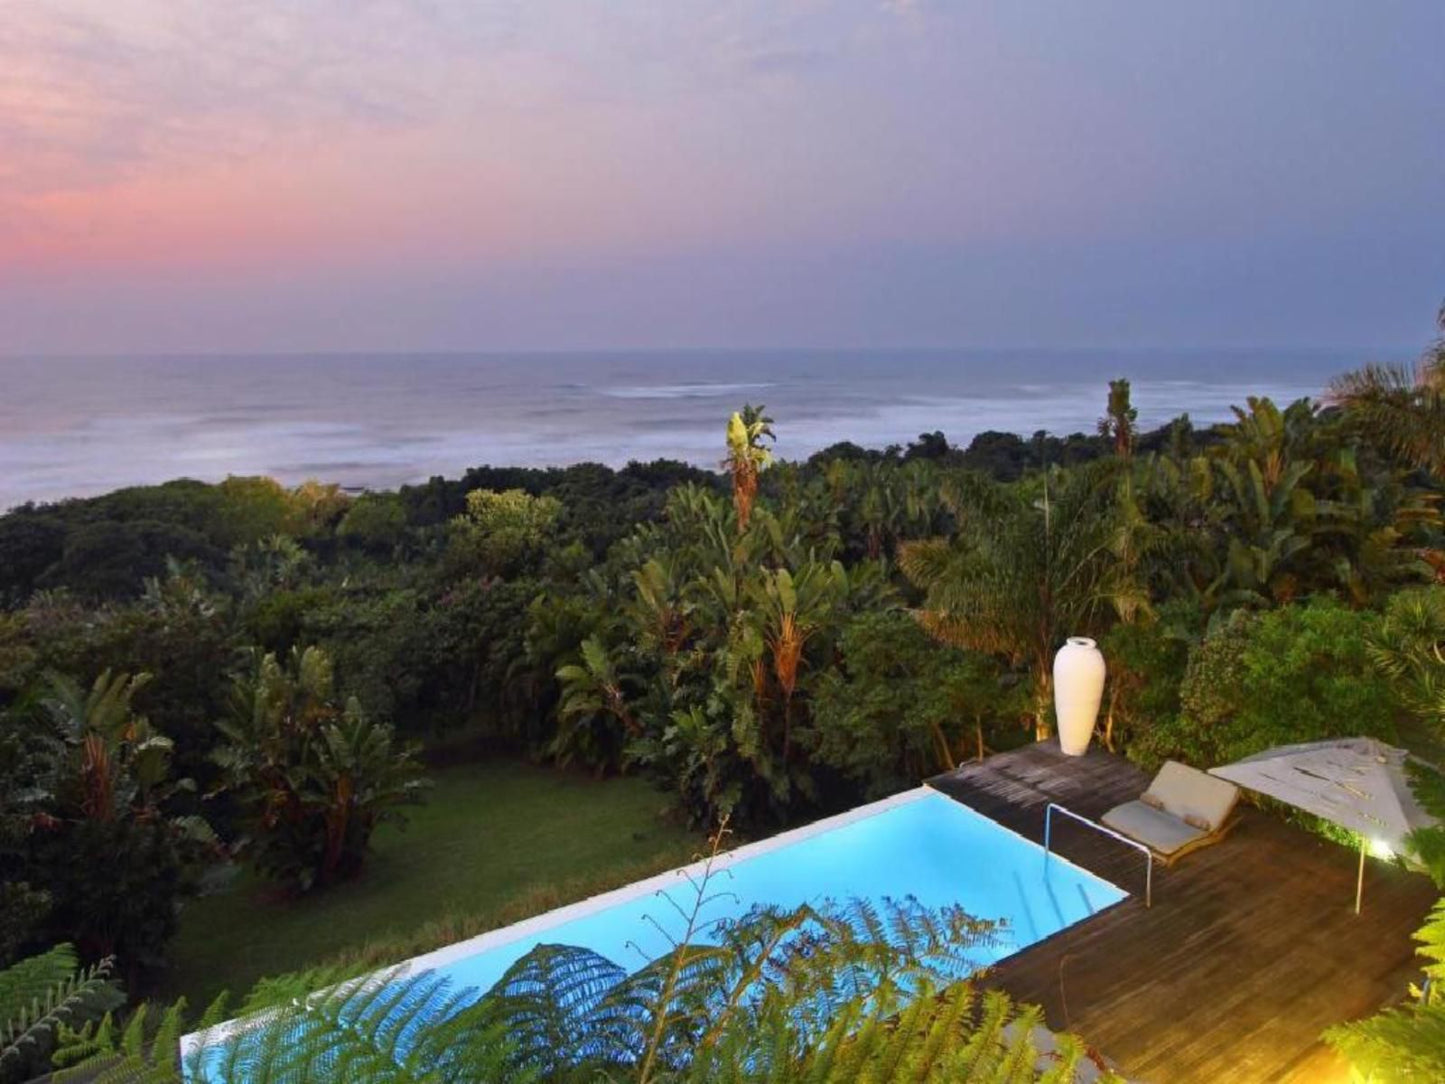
920,844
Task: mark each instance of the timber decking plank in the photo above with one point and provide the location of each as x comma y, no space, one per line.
1250,950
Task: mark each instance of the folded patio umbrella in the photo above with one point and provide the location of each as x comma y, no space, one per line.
1357,783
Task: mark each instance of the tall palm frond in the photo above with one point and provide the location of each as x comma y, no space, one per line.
1401,407
1408,647
1024,571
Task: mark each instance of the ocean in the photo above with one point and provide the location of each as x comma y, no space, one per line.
73,427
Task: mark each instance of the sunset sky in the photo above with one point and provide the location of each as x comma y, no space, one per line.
273,175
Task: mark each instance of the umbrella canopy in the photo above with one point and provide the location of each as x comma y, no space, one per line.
1357,783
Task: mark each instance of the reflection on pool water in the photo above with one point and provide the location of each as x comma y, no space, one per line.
918,844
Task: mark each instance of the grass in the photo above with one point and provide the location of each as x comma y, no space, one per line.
495,843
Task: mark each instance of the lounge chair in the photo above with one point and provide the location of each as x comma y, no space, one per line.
1183,809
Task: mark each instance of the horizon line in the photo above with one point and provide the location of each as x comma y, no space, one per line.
229,354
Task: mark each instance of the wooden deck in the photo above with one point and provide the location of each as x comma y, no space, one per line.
1250,950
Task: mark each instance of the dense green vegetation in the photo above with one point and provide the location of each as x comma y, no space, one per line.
194,677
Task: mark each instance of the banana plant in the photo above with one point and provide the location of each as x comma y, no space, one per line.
789,611
747,457
595,704
315,776
661,610
116,760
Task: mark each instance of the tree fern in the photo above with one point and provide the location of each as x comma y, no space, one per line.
387,1027
551,1005
1397,1046
40,995
1404,1044
828,993
133,1054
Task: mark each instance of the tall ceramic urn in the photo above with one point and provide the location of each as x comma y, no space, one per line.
1078,689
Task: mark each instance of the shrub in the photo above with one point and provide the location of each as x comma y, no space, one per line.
113,559
1147,661
503,534
1296,674
375,522
901,705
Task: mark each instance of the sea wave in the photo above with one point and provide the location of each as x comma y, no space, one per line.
680,391
89,426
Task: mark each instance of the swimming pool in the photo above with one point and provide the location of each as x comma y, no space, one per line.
918,844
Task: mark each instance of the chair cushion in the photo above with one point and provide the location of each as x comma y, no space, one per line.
1154,828
1186,792
1153,801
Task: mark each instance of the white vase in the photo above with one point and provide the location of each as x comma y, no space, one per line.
1078,689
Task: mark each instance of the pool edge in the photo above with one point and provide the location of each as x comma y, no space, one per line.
504,935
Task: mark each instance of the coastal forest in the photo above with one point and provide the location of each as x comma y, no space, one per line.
206,686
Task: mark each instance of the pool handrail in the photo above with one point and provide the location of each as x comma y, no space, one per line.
1148,854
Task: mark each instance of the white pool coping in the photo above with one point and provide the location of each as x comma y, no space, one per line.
659,883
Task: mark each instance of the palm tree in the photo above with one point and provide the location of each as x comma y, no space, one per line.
1265,515
359,778
1269,523
1409,649
99,786
1370,527
1024,571
1119,422
1292,512
747,457
1401,407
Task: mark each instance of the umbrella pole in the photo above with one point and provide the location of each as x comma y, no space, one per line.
1360,880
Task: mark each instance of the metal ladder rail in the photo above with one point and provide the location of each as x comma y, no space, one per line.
1148,854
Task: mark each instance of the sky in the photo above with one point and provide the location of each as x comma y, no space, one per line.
340,175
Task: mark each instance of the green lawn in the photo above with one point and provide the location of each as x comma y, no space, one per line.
494,843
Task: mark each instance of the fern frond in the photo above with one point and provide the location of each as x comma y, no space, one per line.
1404,1045
42,994
31,979
547,999
134,1055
